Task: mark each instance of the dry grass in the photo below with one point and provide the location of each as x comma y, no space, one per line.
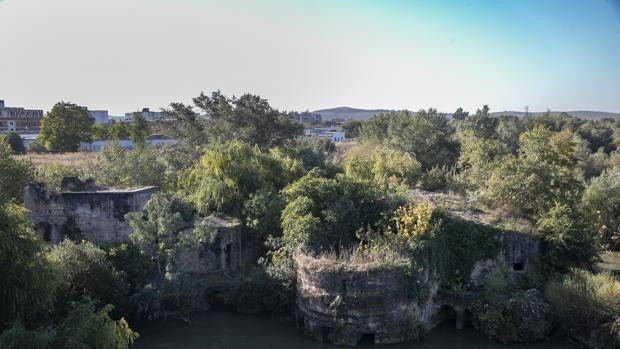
610,261
79,159
357,258
460,206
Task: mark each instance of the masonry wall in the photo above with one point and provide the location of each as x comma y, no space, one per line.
96,216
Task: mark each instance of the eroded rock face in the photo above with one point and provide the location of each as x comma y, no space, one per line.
340,305
83,211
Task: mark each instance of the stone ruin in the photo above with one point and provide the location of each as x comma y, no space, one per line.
82,210
344,305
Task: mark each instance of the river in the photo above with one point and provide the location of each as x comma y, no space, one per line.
221,329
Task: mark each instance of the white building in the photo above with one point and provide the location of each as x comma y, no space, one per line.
333,134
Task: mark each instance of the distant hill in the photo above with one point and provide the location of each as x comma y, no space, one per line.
365,114
349,113
582,114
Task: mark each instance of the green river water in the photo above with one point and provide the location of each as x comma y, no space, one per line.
221,329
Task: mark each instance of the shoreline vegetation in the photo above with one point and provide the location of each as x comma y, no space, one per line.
510,224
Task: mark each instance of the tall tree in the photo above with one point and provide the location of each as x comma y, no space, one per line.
16,143
65,126
139,129
14,174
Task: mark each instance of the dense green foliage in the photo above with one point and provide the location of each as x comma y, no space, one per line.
14,174
16,143
64,127
241,159
588,307
229,173
28,283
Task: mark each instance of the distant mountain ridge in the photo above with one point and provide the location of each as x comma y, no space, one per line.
582,114
365,114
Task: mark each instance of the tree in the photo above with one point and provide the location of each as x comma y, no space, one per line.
323,214
16,143
427,136
228,173
248,118
352,128
566,241
386,167
65,126
541,174
155,231
14,174
601,201
85,271
28,281
139,129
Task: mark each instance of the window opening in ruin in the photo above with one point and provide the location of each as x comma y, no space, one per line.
227,256
367,338
518,266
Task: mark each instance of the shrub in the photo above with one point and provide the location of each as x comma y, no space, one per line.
601,201
85,271
587,307
53,173
28,284
566,241
229,173
524,317
14,174
386,167
16,143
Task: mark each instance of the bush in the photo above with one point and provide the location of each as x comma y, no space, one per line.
83,327
53,173
587,307
16,143
435,179
524,317
384,166
566,241
85,271
138,167
14,174
601,201
28,284
229,173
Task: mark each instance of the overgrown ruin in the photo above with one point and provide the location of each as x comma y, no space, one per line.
81,210
344,304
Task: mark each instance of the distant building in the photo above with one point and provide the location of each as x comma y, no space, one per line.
15,119
333,134
148,115
307,117
101,116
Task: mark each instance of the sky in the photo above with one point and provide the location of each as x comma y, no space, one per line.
122,55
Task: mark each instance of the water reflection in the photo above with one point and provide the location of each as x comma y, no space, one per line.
220,329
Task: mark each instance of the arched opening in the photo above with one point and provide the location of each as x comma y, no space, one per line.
366,339
447,314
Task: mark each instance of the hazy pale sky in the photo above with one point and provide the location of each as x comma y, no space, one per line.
122,55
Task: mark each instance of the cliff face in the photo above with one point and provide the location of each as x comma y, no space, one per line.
342,305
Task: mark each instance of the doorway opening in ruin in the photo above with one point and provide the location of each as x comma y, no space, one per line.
227,257
518,266
447,314
366,338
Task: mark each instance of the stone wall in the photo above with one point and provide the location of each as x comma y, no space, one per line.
95,215
343,305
